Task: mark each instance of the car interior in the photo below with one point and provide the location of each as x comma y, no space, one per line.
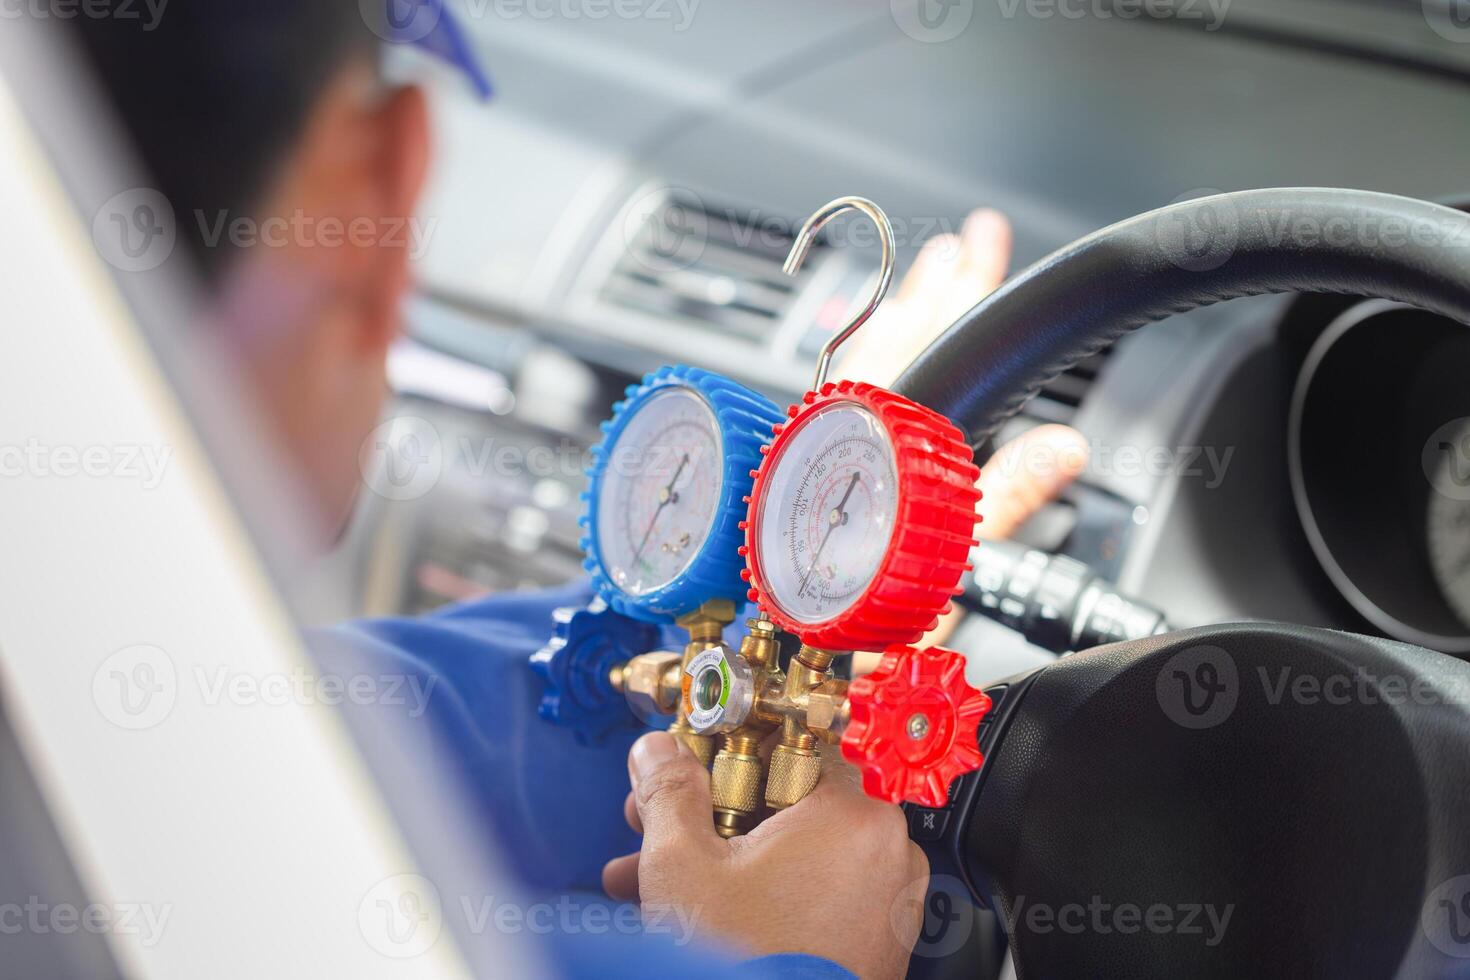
1241,272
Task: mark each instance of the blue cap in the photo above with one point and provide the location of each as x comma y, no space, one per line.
431,26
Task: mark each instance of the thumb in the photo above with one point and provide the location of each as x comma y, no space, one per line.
671,791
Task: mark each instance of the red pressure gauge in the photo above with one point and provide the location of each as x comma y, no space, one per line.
862,516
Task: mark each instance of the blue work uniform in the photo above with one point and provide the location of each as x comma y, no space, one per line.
554,807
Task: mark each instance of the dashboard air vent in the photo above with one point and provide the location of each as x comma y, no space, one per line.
1063,395
690,262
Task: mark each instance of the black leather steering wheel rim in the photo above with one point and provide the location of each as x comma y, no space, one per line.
1080,299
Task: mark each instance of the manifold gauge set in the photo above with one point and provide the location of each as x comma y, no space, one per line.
846,521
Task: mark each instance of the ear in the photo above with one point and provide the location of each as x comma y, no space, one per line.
399,141
355,181
328,275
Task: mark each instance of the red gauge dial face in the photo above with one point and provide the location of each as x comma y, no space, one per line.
862,517
829,512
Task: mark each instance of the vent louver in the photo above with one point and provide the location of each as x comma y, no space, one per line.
1063,395
692,263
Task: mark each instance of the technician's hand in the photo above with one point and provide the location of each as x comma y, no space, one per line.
823,877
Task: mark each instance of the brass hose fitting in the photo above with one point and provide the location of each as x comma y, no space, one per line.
795,769
650,682
738,770
735,784
796,765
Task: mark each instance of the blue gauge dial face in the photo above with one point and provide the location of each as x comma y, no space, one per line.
660,491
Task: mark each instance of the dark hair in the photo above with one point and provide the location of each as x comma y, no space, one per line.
215,92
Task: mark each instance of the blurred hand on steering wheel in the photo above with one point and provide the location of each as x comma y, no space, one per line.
951,274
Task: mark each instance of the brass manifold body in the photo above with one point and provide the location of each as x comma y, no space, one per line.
741,698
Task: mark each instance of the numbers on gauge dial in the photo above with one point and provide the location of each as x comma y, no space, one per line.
827,513
659,491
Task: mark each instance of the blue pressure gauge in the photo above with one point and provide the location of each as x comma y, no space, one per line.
669,482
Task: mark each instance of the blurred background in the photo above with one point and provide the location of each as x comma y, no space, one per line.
627,198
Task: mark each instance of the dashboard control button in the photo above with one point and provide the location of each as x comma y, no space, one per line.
926,824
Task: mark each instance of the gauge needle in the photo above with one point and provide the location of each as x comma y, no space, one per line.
666,496
838,518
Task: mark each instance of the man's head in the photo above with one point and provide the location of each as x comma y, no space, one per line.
292,172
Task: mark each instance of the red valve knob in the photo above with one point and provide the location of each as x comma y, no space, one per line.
913,727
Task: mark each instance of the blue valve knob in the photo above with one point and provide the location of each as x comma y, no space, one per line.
586,645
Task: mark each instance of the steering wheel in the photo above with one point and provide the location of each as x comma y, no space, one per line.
1232,800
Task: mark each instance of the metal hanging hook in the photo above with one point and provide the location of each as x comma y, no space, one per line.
803,244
